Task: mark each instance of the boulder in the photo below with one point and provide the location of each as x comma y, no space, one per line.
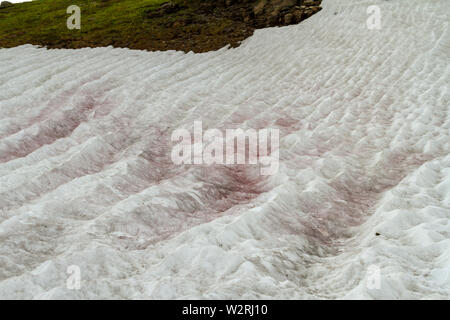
5,4
283,12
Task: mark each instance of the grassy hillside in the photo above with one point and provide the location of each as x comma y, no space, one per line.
198,25
104,22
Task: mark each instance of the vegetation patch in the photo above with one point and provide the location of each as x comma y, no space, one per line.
188,25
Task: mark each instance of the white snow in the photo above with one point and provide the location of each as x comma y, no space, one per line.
18,1
86,177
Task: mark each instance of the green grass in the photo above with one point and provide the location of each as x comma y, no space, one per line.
132,24
104,22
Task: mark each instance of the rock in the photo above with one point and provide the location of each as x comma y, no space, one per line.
169,7
311,3
283,12
283,4
259,8
288,19
274,18
297,15
5,4
178,24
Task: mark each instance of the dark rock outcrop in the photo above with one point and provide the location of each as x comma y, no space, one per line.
5,4
263,13
203,25
254,13
284,12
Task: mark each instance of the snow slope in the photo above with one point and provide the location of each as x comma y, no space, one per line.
362,194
